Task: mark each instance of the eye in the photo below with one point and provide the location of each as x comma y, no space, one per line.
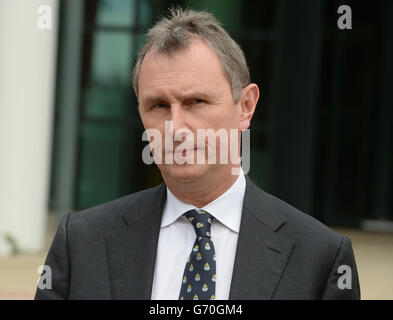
195,101
160,105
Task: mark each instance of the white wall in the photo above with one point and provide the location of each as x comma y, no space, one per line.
27,84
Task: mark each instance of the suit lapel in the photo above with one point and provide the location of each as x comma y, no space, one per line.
261,254
132,250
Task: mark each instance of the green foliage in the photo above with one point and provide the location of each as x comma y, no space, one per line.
12,243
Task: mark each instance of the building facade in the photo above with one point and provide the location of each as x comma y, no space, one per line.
321,137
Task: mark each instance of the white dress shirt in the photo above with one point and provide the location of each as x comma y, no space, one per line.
177,237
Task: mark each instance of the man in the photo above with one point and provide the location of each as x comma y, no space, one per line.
205,233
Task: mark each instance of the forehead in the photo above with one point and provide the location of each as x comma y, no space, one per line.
195,66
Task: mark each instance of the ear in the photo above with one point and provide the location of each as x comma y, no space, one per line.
248,102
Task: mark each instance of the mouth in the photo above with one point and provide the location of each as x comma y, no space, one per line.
183,152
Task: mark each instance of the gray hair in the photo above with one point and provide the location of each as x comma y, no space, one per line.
175,32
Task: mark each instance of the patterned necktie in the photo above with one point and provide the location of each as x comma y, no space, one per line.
199,279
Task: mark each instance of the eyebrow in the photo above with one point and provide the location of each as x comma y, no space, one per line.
196,94
153,99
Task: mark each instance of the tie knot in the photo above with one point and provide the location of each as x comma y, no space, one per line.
201,221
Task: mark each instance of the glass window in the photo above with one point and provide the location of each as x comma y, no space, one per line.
101,101
112,55
116,13
100,158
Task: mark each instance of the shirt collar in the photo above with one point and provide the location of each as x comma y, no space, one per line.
227,208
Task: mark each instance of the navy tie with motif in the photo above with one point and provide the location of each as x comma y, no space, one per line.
199,279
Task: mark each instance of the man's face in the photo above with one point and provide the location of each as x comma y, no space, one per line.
190,89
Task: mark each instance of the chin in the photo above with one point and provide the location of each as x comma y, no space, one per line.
183,173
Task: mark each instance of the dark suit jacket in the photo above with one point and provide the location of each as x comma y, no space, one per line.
109,251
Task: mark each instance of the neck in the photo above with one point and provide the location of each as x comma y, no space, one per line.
203,190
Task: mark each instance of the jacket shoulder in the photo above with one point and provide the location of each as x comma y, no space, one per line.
101,217
293,223
303,225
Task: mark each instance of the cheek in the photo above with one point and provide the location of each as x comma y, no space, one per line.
228,118
153,130
150,121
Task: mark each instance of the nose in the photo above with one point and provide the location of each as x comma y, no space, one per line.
178,117
180,126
